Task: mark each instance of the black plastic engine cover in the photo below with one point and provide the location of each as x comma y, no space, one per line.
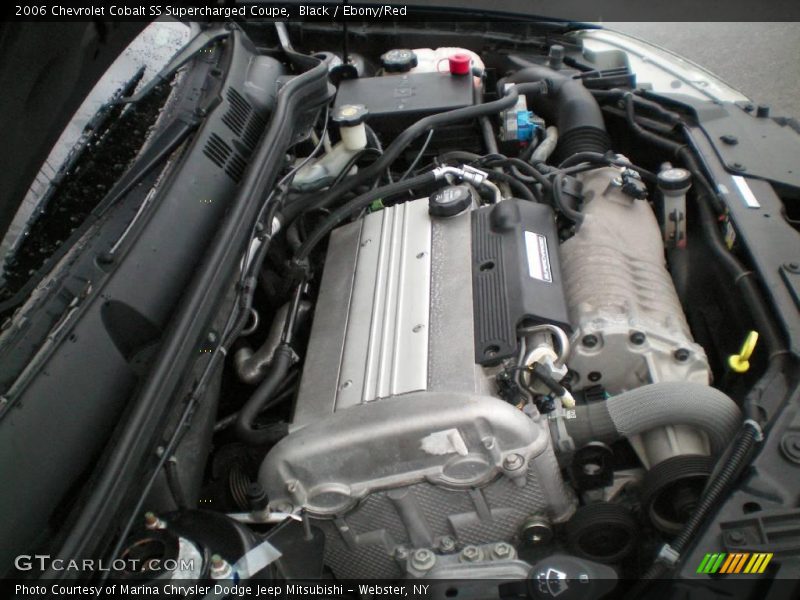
396,101
516,275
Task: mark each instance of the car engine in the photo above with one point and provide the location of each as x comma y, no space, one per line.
474,354
418,431
473,331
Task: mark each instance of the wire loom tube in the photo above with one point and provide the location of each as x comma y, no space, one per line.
655,405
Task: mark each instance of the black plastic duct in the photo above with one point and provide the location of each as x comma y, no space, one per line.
571,107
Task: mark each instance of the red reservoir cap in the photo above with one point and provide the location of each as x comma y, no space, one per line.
459,64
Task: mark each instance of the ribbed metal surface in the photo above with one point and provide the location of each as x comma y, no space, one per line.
386,344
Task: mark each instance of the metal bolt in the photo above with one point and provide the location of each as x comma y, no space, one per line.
421,255
681,355
590,341
423,559
736,166
736,537
502,550
729,139
512,462
418,328
220,569
792,267
366,242
537,530
790,445
637,338
400,553
595,376
447,544
471,554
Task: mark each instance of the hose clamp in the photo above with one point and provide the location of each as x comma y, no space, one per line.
563,441
668,555
759,432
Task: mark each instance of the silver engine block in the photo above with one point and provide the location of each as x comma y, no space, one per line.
397,441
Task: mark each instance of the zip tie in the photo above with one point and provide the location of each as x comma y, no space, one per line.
667,554
757,427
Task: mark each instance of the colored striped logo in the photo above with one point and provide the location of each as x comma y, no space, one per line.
743,562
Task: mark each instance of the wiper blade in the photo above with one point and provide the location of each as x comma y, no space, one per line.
198,43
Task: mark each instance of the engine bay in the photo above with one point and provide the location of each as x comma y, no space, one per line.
490,323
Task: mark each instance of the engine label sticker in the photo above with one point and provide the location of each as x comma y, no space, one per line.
538,257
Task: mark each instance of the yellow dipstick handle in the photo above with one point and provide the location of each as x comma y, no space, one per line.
739,363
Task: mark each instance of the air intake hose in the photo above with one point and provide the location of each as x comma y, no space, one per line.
656,405
570,107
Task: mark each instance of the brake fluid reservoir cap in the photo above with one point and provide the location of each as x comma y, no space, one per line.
450,200
460,64
350,115
399,61
674,179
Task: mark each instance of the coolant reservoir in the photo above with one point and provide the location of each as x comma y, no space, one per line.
427,60
433,61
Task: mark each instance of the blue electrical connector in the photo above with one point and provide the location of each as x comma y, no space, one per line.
526,126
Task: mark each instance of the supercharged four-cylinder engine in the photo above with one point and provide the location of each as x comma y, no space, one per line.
403,439
463,353
399,440
467,337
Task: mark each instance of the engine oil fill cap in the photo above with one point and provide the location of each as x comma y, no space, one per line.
450,201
